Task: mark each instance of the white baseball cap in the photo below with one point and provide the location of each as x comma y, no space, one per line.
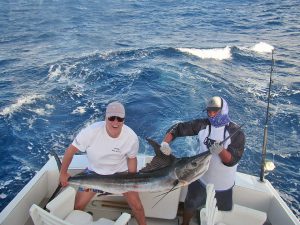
215,104
115,109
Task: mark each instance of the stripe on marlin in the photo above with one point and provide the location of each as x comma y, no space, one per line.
163,173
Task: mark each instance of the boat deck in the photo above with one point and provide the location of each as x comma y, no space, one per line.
248,192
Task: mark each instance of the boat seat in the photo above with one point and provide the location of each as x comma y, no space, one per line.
42,217
62,206
238,215
61,209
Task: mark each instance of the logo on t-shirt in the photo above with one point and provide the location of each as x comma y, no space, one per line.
117,150
208,142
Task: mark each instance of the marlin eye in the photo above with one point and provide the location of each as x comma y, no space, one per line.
194,164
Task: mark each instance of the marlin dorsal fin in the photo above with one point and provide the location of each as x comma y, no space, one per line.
160,160
155,146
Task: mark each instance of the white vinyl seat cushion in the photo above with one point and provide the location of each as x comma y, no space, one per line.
42,217
103,221
62,206
122,220
79,218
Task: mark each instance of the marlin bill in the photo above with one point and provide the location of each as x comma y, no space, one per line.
163,173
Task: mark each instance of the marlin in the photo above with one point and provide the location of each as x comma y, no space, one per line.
163,173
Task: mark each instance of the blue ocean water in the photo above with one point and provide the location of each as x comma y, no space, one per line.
63,61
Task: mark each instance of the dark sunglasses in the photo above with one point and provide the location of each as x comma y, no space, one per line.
113,118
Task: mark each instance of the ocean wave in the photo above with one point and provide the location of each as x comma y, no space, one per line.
79,110
214,53
23,100
59,71
262,47
42,111
251,51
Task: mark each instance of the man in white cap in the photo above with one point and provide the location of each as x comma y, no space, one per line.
111,147
223,164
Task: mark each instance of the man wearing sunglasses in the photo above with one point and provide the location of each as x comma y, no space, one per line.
211,131
111,147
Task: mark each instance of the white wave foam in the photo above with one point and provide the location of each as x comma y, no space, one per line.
60,71
23,100
54,71
43,111
5,183
3,196
79,110
262,47
48,106
39,111
214,53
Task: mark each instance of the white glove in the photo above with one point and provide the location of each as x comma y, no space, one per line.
165,148
216,148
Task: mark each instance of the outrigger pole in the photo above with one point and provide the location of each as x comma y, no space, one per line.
264,148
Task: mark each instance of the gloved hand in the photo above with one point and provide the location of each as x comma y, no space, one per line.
165,148
216,148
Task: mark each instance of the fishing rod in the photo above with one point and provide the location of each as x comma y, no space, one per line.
264,148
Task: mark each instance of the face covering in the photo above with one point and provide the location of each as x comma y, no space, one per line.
222,118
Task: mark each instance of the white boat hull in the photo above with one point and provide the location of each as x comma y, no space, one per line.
248,192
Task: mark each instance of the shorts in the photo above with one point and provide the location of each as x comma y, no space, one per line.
196,197
83,189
